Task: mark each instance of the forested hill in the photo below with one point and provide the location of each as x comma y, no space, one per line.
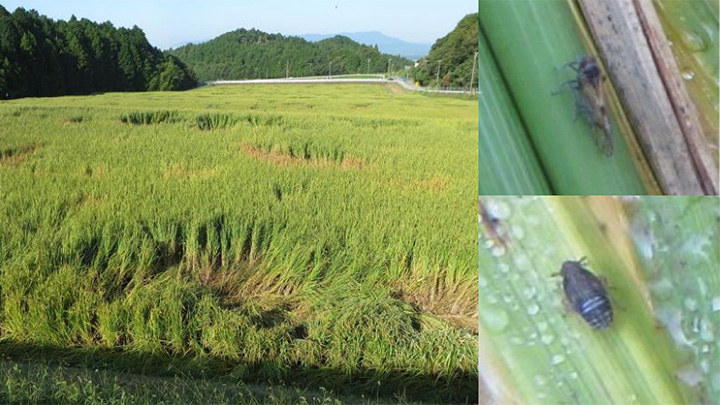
43,57
456,51
253,54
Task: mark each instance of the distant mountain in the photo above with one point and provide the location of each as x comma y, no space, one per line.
253,54
454,54
385,44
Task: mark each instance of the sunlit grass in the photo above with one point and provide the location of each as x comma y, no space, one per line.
322,231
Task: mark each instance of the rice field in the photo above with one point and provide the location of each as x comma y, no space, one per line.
319,236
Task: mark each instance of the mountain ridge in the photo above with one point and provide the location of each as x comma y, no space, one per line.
452,56
385,43
41,56
254,54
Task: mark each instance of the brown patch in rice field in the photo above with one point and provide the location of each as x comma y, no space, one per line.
16,156
435,183
279,158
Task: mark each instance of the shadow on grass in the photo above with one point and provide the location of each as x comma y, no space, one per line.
462,389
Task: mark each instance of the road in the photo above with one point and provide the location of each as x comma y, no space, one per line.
316,79
340,79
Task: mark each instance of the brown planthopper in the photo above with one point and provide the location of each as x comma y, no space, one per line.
586,294
590,100
491,226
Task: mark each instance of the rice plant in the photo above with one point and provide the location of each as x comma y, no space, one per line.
658,259
242,234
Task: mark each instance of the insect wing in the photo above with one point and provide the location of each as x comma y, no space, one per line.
582,285
593,282
594,109
603,140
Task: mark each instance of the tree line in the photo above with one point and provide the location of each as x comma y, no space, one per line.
452,57
253,54
43,57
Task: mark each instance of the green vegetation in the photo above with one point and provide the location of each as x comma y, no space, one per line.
692,27
40,383
678,241
454,55
43,57
509,164
659,258
253,54
304,235
528,51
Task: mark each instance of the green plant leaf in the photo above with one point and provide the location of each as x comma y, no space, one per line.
531,41
679,242
508,164
692,27
536,351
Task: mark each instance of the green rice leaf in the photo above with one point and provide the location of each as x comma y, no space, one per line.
534,350
531,41
508,164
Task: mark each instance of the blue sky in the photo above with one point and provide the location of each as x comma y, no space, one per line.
172,22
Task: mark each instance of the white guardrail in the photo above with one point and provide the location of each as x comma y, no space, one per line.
406,84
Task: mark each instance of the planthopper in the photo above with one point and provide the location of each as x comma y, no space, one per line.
590,100
586,294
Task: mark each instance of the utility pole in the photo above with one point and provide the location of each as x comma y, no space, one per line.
287,70
368,66
330,71
388,67
437,79
472,75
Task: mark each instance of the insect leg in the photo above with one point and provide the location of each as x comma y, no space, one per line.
604,281
582,108
574,65
572,84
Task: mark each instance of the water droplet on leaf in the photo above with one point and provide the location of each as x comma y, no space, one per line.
495,318
693,41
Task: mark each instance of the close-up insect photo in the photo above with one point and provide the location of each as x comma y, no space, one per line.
590,100
599,300
587,97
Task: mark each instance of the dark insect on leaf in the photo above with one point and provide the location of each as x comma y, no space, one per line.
491,226
590,100
586,294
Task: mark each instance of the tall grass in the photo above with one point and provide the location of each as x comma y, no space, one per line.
329,243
